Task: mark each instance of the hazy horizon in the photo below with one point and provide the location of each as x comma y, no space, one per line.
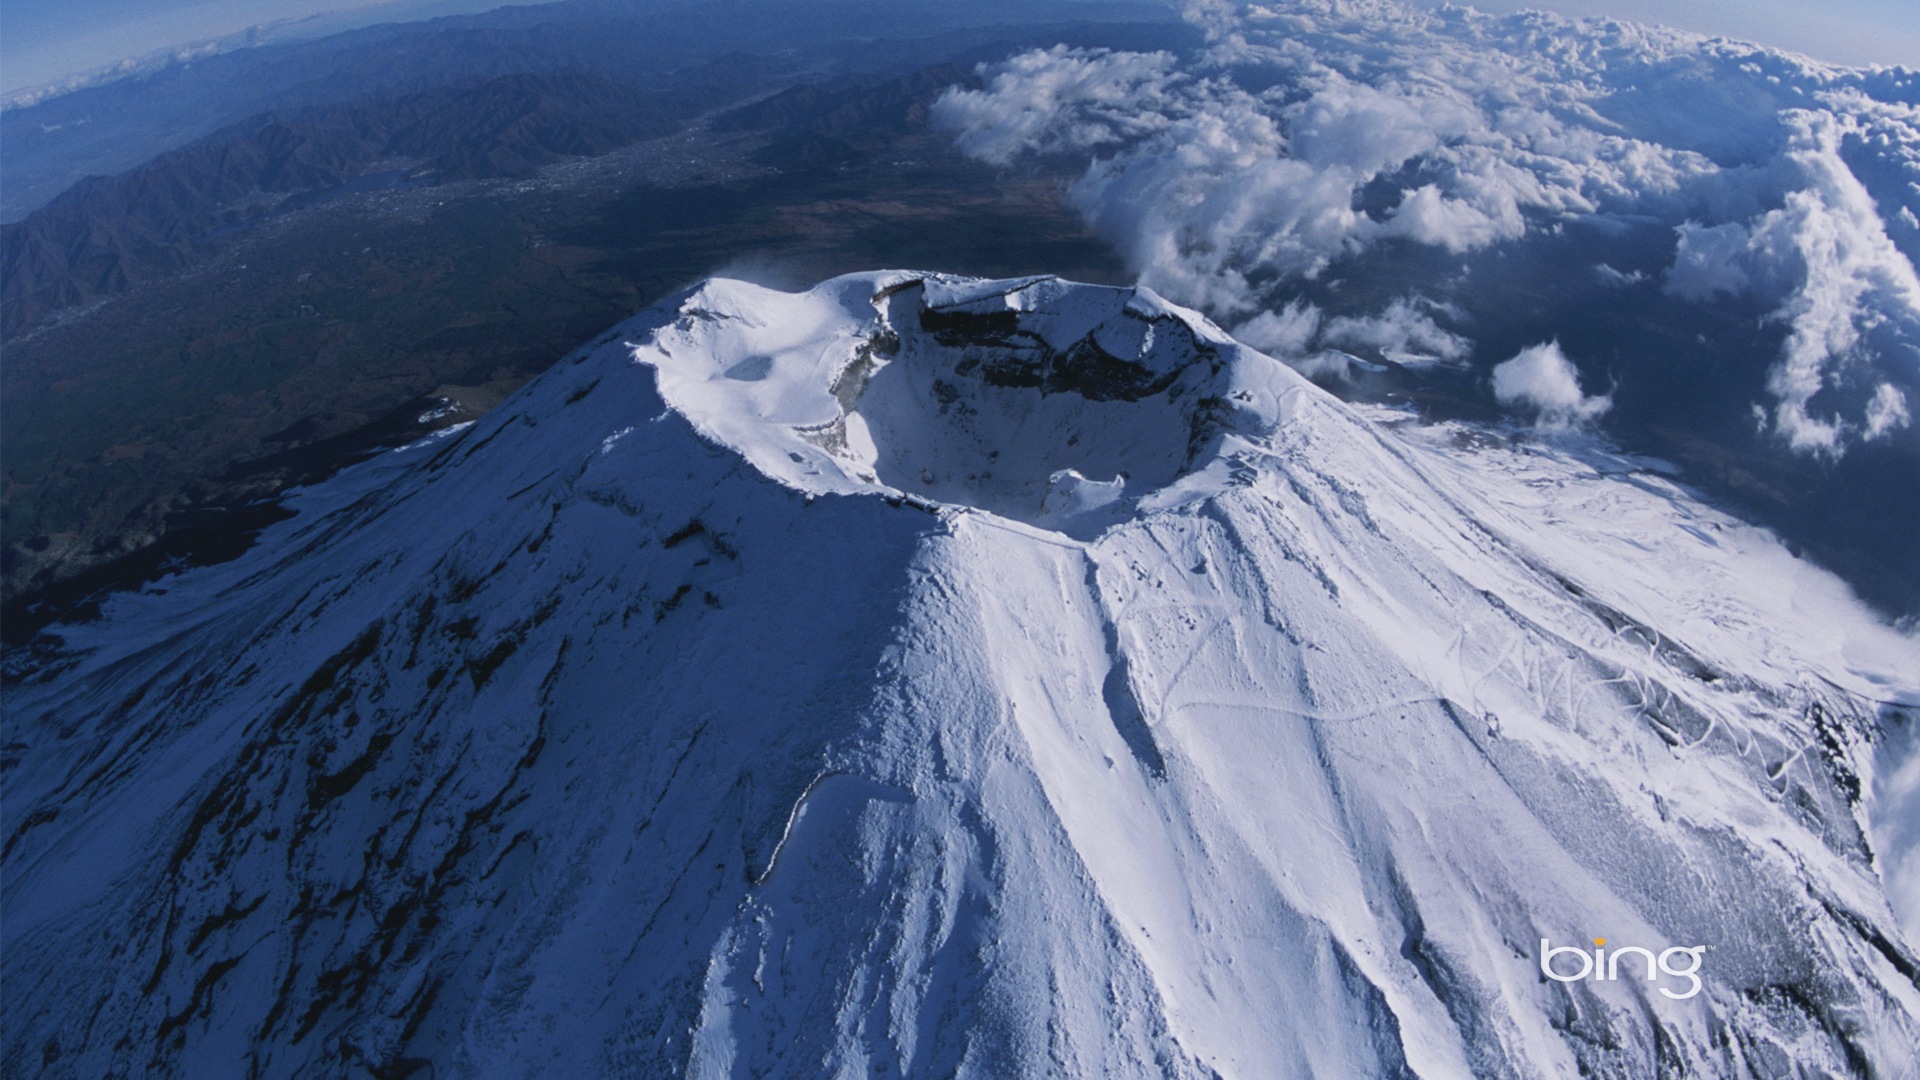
45,43
48,41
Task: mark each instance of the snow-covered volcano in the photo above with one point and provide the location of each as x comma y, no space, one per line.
927,677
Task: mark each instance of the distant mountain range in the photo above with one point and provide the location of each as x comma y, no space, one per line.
115,126
107,233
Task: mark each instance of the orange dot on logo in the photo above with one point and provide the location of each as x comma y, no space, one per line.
1599,941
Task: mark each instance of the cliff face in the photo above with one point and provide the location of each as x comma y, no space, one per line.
928,676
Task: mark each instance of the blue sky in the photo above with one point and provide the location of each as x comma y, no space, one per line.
45,40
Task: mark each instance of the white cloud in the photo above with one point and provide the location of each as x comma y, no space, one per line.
1542,381
1364,129
1061,100
1853,278
1204,185
1286,333
1426,216
1310,137
1289,333
1711,261
1301,335
1402,333
1887,412
1614,277
1824,257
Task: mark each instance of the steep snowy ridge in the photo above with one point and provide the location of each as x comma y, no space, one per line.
923,676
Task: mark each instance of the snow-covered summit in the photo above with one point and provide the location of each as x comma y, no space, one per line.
1037,399
572,744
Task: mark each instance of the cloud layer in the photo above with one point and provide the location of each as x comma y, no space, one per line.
1269,178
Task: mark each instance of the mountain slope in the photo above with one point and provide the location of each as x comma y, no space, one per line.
932,676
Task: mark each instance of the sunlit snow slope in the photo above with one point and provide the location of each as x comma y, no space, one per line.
921,676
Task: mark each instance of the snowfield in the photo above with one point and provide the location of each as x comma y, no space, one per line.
924,676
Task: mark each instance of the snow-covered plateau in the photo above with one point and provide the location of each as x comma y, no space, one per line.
932,677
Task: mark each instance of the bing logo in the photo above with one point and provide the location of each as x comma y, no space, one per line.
1602,966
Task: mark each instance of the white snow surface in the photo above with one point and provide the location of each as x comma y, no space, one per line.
928,677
